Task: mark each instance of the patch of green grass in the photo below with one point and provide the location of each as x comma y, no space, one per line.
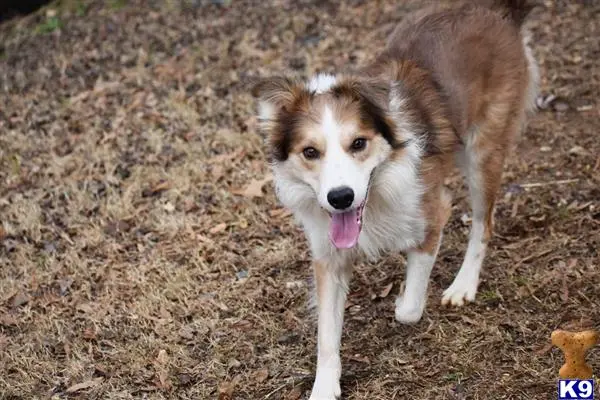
73,7
489,295
519,280
454,377
49,25
117,4
563,214
16,164
80,9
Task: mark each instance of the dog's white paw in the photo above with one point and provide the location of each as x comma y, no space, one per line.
327,384
461,291
408,312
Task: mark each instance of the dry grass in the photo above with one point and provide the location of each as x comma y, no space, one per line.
132,265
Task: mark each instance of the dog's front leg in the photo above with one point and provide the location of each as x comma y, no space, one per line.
410,305
332,276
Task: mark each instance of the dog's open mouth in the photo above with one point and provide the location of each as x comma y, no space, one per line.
345,227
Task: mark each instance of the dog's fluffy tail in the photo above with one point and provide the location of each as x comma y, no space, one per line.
514,10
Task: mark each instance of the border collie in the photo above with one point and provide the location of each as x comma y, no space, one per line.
361,157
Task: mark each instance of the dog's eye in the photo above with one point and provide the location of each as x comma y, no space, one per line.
358,144
310,153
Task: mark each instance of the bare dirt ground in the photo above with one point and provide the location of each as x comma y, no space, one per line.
143,254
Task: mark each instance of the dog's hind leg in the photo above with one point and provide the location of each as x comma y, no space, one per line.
482,161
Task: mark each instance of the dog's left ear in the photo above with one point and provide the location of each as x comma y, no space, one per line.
275,94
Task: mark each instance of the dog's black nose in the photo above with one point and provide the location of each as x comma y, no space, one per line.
341,198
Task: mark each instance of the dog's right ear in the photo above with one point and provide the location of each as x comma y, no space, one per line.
275,94
280,99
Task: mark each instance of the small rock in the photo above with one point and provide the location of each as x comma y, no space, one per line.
186,333
9,245
465,219
184,379
114,228
65,284
294,284
288,338
311,40
560,106
50,247
243,274
578,150
515,188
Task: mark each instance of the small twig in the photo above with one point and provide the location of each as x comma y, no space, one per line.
541,184
275,391
533,256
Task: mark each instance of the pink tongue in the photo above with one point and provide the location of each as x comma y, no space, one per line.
344,229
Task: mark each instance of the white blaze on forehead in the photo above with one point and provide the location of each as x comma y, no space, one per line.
331,128
335,162
321,83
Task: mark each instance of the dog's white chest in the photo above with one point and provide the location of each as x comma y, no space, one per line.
391,230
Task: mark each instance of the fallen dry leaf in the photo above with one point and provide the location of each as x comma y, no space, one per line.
204,239
114,228
254,188
360,358
580,324
217,172
20,299
84,385
226,390
280,213
386,290
100,370
243,324
294,394
190,206
564,290
276,212
8,320
3,341
469,320
161,366
261,375
544,349
218,228
156,189
221,158
89,334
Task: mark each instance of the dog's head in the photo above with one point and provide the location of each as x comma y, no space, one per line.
329,134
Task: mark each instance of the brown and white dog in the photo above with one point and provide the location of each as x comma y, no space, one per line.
361,158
